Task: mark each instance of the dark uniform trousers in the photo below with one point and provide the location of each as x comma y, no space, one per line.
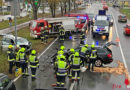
91,61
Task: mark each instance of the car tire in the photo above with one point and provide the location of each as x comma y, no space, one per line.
98,63
94,35
107,36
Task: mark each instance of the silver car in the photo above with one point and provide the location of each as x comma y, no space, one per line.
10,40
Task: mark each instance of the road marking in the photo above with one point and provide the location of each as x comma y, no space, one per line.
38,57
17,78
123,57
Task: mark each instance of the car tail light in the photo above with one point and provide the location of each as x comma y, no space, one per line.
109,55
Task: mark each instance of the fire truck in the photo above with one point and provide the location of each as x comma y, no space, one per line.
82,20
52,25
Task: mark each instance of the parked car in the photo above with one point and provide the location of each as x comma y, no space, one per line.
104,54
127,29
105,7
122,18
116,5
111,20
10,40
6,83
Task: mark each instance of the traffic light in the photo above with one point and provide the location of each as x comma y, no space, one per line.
36,2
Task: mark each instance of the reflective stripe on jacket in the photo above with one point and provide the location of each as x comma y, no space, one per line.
93,54
33,61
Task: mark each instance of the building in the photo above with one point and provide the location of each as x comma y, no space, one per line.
124,2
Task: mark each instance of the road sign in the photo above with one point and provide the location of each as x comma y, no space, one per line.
36,2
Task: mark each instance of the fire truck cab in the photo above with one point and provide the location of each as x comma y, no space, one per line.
36,27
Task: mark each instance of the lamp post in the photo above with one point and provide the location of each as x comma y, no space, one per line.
15,10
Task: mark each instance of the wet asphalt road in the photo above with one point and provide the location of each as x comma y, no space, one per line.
89,80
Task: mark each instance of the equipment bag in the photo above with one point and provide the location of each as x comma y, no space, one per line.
18,72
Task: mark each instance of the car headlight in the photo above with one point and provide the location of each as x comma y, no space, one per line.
111,20
35,32
95,27
106,28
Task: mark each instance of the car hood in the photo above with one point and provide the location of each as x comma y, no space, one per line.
24,41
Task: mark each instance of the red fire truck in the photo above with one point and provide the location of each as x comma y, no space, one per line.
52,24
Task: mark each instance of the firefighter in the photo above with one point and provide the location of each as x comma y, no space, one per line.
59,54
61,71
44,35
72,51
75,64
23,61
11,58
82,38
34,63
17,51
61,33
83,51
93,57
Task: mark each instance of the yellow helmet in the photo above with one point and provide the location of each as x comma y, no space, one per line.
62,47
76,54
72,50
33,52
92,46
86,45
22,50
10,46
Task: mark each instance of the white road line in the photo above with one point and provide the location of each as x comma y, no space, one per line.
38,57
123,57
17,78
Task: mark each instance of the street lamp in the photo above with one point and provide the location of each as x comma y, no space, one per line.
15,8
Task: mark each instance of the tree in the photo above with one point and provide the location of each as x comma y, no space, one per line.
35,5
53,4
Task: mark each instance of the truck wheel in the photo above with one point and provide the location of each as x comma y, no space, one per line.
98,63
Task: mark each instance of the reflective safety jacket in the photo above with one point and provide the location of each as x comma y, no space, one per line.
33,61
62,68
93,54
17,56
22,57
70,58
83,50
61,32
75,64
10,55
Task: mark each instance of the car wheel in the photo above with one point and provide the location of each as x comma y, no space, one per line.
107,36
98,63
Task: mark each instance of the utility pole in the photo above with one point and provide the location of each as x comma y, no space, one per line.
15,10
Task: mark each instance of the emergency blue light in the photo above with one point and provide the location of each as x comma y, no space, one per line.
78,17
97,43
98,30
85,17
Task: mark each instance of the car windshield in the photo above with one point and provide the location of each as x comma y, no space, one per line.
83,20
123,16
129,27
22,40
102,23
34,24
